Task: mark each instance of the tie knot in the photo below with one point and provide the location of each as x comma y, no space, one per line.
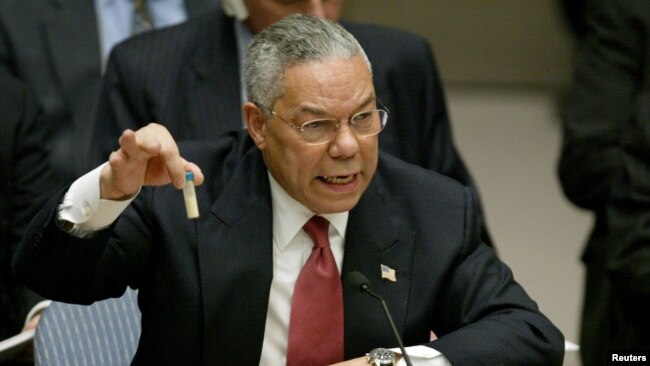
318,229
142,20
138,4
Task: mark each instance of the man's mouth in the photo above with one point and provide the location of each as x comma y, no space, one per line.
344,179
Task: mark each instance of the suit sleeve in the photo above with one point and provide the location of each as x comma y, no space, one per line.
485,316
27,182
629,264
599,106
33,180
84,270
628,212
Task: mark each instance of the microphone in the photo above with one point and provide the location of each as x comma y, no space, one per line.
360,283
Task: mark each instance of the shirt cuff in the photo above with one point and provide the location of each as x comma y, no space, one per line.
83,208
422,356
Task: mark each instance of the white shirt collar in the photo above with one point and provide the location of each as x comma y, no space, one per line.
289,216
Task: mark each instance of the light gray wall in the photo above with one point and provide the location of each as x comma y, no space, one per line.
504,64
495,41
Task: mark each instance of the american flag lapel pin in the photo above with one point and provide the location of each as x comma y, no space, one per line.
388,273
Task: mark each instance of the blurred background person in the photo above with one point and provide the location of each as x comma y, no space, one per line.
26,182
58,47
605,168
575,14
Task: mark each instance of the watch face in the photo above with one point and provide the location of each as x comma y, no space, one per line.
382,355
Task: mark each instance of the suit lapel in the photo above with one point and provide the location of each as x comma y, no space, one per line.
213,85
375,237
235,258
73,26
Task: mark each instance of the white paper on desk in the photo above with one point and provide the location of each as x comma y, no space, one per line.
420,352
12,347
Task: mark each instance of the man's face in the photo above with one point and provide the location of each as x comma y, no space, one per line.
263,13
329,177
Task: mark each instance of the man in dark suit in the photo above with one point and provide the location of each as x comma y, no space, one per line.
26,181
220,289
58,48
188,79
605,168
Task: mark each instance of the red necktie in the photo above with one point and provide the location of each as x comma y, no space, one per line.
316,325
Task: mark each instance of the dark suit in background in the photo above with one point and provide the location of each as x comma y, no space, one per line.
26,181
53,46
187,78
605,168
204,284
575,14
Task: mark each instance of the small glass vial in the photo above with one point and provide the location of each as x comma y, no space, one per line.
189,194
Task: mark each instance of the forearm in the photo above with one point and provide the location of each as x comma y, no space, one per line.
56,264
66,263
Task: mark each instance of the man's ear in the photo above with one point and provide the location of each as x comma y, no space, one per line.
255,121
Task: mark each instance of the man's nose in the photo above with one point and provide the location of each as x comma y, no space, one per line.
345,143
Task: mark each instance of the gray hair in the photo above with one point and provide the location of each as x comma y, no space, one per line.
296,39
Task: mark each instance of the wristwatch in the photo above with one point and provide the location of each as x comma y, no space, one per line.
381,357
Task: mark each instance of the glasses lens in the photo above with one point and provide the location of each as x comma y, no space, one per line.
363,124
320,130
370,122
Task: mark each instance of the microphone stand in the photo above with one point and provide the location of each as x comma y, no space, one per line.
367,290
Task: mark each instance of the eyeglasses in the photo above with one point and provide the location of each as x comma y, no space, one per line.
322,130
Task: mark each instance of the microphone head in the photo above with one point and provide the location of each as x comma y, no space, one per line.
358,281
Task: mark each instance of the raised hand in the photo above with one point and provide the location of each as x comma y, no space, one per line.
146,157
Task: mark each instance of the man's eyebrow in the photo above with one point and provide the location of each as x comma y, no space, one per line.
319,112
311,110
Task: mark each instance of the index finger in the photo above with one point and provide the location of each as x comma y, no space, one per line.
157,138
